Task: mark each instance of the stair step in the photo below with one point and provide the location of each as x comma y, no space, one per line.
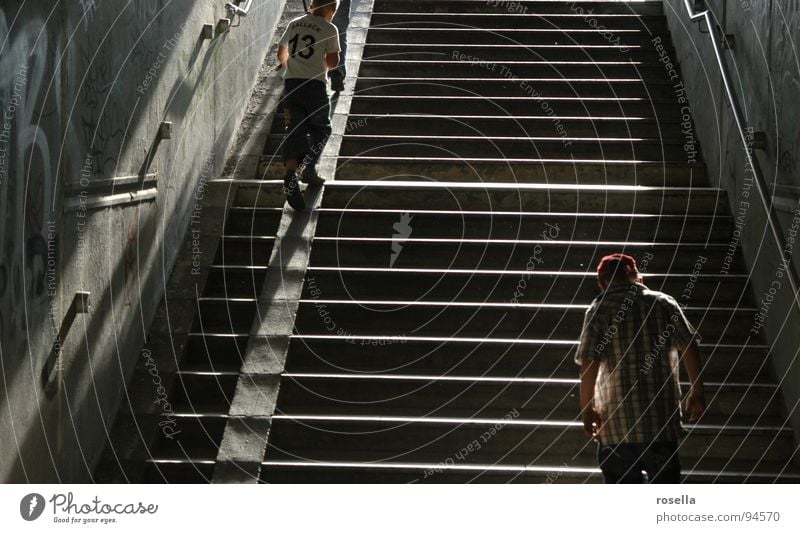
179,471
449,320
222,352
244,250
609,226
512,442
226,314
511,51
203,392
613,23
296,471
541,89
650,7
260,194
541,148
499,36
523,197
194,436
521,105
527,126
499,170
331,353
514,254
253,221
554,287
235,281
466,397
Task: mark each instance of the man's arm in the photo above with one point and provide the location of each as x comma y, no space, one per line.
591,420
695,403
283,55
332,60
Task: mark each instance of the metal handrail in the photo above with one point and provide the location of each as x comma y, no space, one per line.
758,177
236,10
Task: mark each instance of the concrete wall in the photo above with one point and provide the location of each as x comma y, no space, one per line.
766,70
90,200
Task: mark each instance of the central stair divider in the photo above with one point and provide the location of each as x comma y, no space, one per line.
244,440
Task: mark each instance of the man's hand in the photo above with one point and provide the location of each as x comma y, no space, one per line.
591,422
694,405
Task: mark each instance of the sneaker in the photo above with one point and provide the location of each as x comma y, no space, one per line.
291,187
312,178
337,81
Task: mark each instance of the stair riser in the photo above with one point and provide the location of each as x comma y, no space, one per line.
267,196
511,52
457,170
192,437
548,446
539,401
486,256
378,124
313,474
499,148
203,393
664,202
273,169
401,355
726,327
500,37
521,7
467,226
218,356
449,287
508,20
241,222
520,107
179,473
244,252
234,284
546,90
229,315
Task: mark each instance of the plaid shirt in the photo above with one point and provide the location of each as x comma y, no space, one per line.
635,334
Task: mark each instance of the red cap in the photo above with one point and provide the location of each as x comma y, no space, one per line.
616,264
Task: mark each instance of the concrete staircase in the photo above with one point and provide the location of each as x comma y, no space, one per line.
494,152
205,382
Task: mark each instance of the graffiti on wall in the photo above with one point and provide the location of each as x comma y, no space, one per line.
27,171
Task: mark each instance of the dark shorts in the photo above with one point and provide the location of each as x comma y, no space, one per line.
308,124
624,463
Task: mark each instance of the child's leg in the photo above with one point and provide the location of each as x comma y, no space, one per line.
318,124
296,119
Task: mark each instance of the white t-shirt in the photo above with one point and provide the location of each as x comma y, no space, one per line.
309,39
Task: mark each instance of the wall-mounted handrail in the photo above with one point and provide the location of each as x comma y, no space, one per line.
758,177
80,304
236,10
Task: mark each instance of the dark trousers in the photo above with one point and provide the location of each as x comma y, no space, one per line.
308,124
624,463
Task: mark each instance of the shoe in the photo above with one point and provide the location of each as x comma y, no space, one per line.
291,187
337,81
312,178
